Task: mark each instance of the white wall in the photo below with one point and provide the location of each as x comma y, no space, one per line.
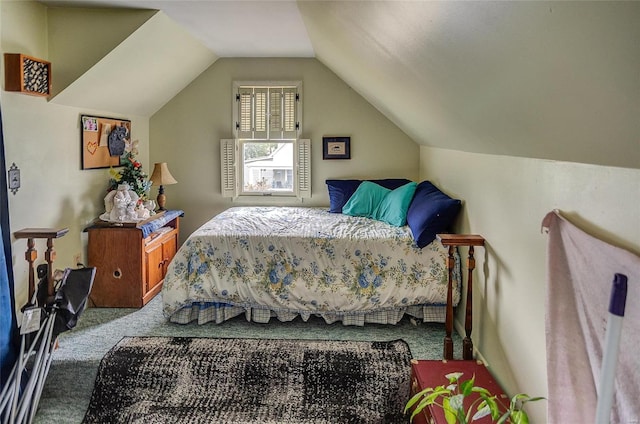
43,140
505,200
187,130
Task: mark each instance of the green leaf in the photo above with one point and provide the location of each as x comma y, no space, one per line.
449,413
467,386
493,406
481,413
456,402
416,398
433,396
519,417
534,399
503,419
419,409
481,391
454,376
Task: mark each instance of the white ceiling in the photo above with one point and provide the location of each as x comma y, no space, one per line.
542,79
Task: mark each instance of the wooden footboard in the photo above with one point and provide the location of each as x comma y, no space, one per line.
452,241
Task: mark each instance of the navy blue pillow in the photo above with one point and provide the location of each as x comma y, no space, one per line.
431,212
340,191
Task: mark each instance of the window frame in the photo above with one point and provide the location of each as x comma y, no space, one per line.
230,165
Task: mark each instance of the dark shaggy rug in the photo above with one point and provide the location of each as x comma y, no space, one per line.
202,380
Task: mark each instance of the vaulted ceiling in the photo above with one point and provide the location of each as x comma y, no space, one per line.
549,80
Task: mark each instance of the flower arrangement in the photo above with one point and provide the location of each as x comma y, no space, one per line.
132,173
450,399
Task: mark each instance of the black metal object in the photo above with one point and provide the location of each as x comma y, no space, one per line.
21,393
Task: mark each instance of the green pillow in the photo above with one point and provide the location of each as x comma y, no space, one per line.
393,208
365,200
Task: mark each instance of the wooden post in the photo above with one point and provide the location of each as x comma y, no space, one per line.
467,344
448,324
50,255
31,255
451,241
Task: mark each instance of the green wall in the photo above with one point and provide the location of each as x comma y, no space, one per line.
43,140
186,134
505,200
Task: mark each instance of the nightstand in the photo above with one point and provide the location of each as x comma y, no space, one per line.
131,259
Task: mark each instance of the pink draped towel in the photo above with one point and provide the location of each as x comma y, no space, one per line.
580,272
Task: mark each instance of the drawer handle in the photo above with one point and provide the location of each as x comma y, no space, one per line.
117,273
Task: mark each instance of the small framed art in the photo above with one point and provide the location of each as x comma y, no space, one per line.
336,147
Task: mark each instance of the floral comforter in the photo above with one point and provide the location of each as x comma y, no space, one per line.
289,261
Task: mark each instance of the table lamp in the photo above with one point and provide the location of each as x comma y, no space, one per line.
161,177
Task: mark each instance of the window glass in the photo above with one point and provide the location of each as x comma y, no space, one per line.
267,167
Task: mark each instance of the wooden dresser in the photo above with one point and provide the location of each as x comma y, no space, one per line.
131,260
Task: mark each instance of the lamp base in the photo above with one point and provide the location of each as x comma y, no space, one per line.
161,199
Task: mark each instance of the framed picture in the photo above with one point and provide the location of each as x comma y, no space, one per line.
336,147
102,141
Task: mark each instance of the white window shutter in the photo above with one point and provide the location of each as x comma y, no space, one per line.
275,113
289,113
228,167
260,114
304,168
244,108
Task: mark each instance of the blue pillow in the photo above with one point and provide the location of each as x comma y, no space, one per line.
394,206
431,212
365,200
340,191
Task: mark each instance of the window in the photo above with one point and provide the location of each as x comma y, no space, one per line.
267,157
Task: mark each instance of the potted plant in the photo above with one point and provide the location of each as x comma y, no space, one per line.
451,399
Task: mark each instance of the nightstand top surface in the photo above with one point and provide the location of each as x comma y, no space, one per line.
461,239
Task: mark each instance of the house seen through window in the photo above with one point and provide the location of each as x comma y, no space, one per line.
267,167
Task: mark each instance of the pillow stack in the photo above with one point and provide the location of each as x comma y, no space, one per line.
398,202
340,191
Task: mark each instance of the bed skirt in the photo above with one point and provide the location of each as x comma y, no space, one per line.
219,312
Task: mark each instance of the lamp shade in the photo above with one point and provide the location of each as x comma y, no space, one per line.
161,175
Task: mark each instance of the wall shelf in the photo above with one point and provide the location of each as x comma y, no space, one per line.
26,74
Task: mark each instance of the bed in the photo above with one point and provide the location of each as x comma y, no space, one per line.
285,262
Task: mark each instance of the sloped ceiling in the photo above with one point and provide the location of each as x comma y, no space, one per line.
550,80
140,75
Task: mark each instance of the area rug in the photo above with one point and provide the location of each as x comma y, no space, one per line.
213,380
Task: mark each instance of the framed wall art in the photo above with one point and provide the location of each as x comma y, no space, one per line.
103,140
336,147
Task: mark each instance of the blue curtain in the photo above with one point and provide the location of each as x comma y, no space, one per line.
7,321
8,327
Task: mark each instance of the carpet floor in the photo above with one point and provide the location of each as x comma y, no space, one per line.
162,380
70,382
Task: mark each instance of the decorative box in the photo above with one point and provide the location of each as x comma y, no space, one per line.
26,74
